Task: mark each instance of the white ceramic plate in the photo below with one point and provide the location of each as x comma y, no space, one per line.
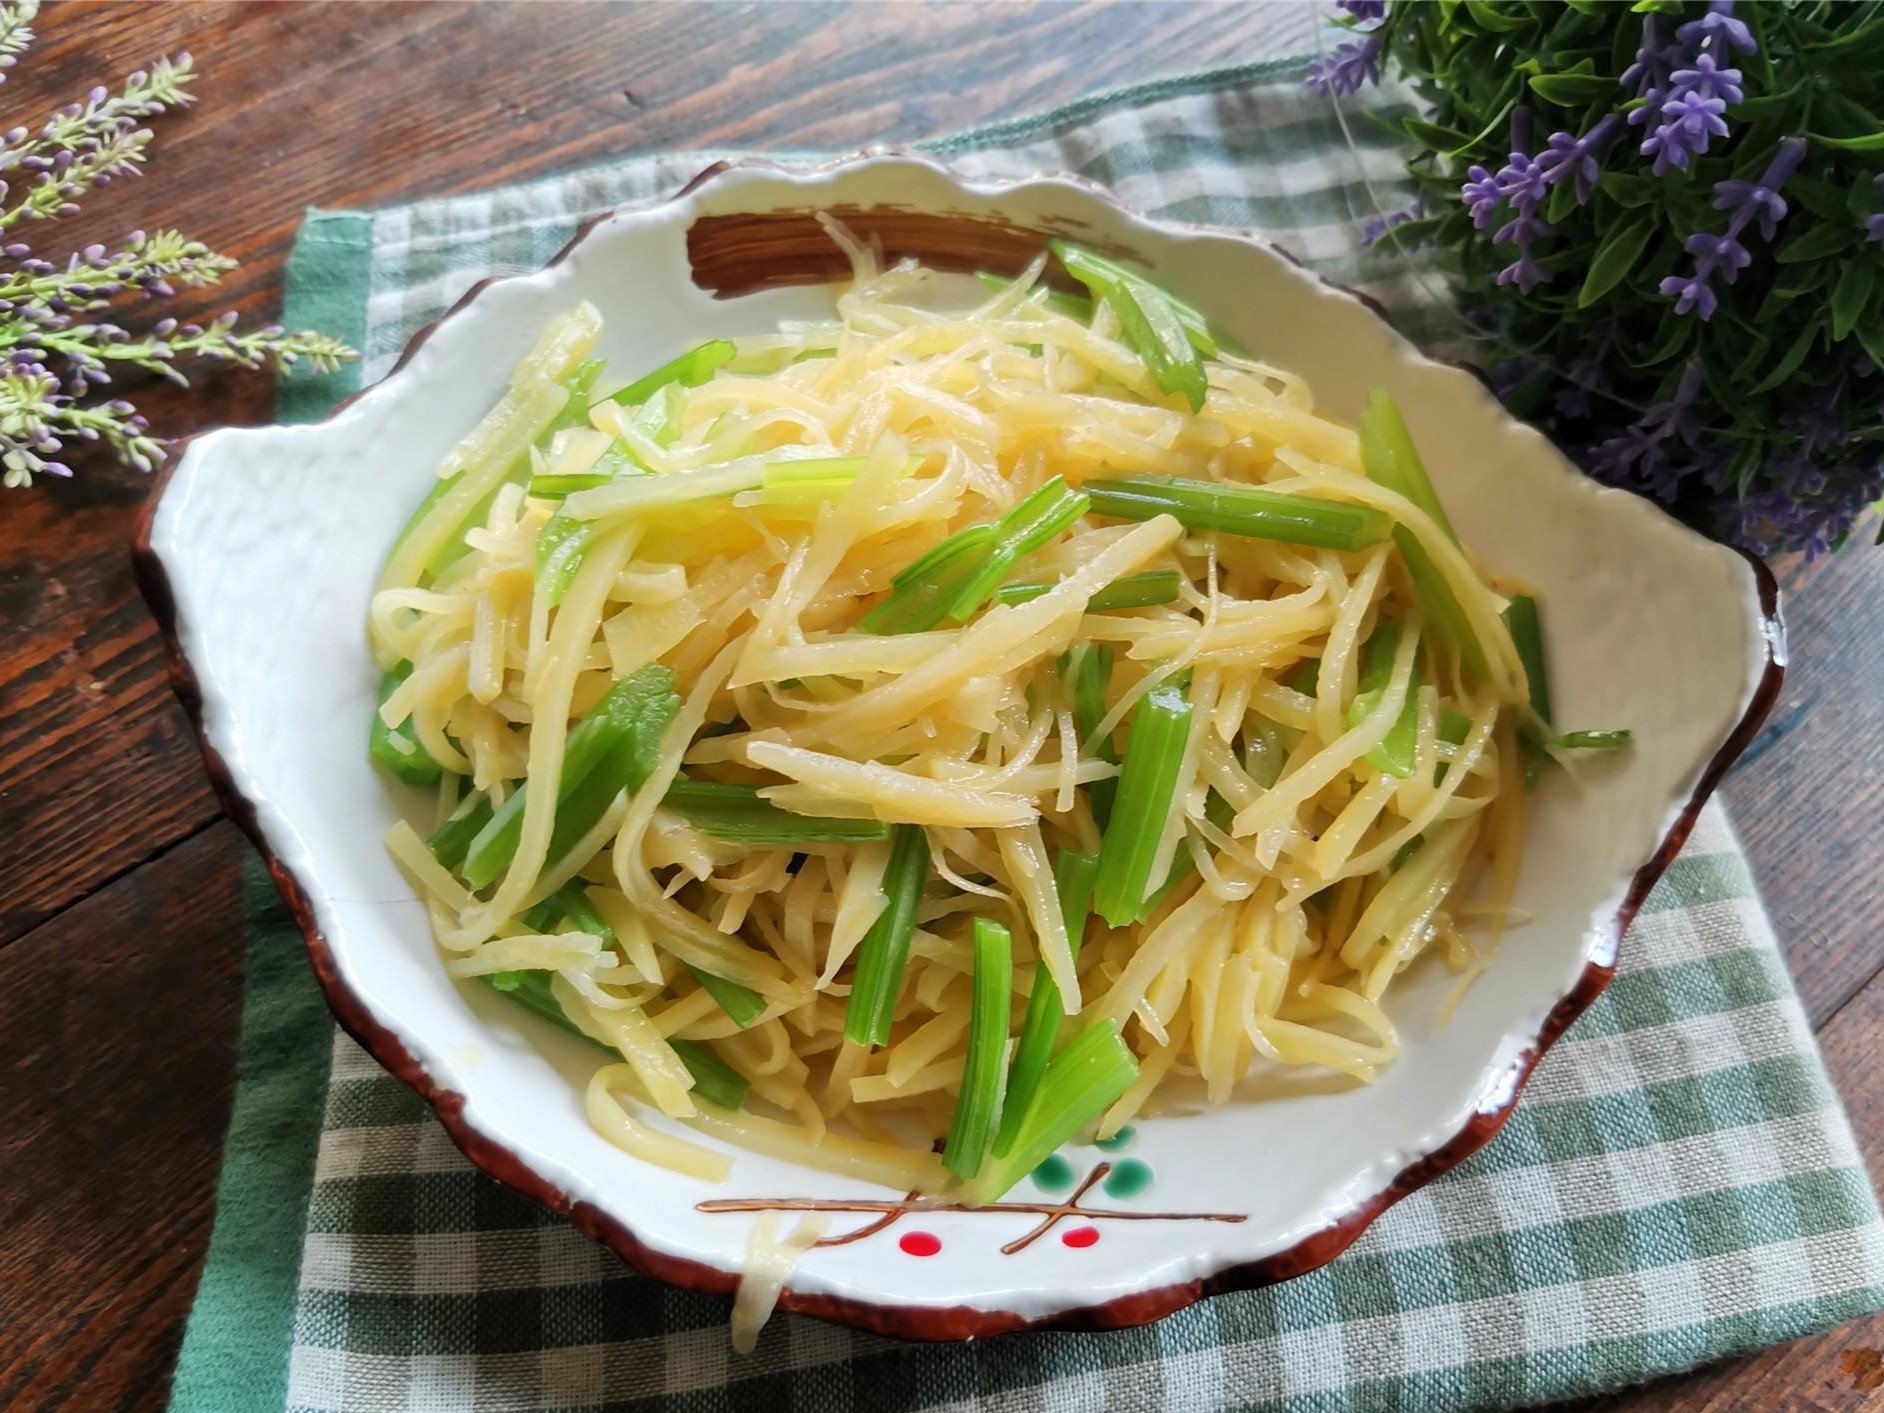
264,546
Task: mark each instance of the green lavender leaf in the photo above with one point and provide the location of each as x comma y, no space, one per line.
1852,294
1615,257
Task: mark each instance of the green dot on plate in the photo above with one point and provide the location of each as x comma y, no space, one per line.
1119,1141
1054,1174
1128,1179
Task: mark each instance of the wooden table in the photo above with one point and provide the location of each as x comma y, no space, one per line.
119,912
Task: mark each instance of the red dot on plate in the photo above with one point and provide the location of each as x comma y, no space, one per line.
920,1243
1080,1236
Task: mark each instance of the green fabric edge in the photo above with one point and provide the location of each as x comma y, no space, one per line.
237,1343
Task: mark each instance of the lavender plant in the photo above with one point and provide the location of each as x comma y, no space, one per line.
1667,221
58,340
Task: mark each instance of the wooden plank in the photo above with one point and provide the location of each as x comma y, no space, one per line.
368,103
120,1024
1807,796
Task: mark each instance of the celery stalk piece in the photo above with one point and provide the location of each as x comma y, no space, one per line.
742,1003
531,990
1082,1082
1154,751
1595,740
689,370
738,815
978,1104
1094,268
610,733
883,954
1143,590
396,749
1024,529
452,839
1086,669
1074,306
1391,460
1237,509
1073,875
1395,754
713,1079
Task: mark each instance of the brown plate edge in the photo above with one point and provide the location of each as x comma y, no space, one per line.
900,1321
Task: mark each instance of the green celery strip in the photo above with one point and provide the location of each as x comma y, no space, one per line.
623,768
607,745
1264,754
1153,586
1454,725
396,749
689,370
1527,636
559,548
713,1079
1154,750
978,1104
1024,529
737,814
1075,306
1394,754
742,1003
1086,669
1073,875
1217,810
1595,740
571,904
1240,510
1103,269
921,592
531,990
1084,1080
452,839
1391,460
958,576
883,954
556,487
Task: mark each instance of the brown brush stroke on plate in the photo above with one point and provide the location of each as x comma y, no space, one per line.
737,253
905,1321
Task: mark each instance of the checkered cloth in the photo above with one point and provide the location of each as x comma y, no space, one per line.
1679,1183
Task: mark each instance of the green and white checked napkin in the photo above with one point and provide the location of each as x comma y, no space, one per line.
1678,1185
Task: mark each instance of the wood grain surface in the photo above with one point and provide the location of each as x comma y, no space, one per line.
120,946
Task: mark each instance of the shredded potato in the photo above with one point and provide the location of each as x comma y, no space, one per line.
1338,781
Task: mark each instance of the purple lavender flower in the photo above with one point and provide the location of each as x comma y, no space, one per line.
1481,194
1675,417
1684,106
1724,252
1349,65
1706,79
1364,9
1719,25
1718,252
1582,378
1655,60
1874,224
1578,156
1684,125
1762,199
1375,228
1521,183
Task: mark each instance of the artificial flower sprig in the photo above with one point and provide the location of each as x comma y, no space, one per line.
1668,221
58,335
